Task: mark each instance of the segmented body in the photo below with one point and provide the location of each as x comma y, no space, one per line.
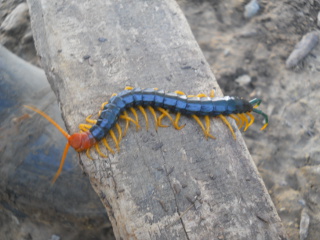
96,131
200,106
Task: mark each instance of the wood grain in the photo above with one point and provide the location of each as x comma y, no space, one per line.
161,185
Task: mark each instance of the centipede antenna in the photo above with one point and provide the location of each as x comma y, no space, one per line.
49,119
264,115
63,158
65,152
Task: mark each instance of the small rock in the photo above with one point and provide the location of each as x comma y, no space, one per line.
302,202
302,48
86,57
54,237
304,224
248,32
251,9
28,37
102,39
243,80
17,18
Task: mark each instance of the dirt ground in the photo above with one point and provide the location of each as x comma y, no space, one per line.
248,57
288,152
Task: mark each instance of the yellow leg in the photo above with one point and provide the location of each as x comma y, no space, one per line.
145,116
235,118
251,118
202,127
88,154
129,119
212,93
106,144
90,120
99,151
105,103
164,114
102,105
225,120
180,92
160,119
125,116
201,95
114,138
264,126
128,88
63,158
207,122
153,112
241,121
189,96
119,132
245,119
84,127
134,112
176,122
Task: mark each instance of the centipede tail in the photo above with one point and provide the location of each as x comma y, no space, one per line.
265,117
107,131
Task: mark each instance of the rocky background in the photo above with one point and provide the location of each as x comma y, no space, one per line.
266,49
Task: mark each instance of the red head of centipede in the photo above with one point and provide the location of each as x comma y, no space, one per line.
81,141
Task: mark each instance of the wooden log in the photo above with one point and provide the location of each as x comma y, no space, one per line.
161,185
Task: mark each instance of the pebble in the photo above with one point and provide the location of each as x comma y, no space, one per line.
248,32
302,202
243,80
86,57
304,224
302,48
55,237
251,9
102,39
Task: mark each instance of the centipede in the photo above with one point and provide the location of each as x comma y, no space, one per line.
123,106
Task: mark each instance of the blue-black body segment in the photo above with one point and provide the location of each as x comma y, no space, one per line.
159,98
148,96
97,132
200,106
170,101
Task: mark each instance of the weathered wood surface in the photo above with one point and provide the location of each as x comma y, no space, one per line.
161,185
